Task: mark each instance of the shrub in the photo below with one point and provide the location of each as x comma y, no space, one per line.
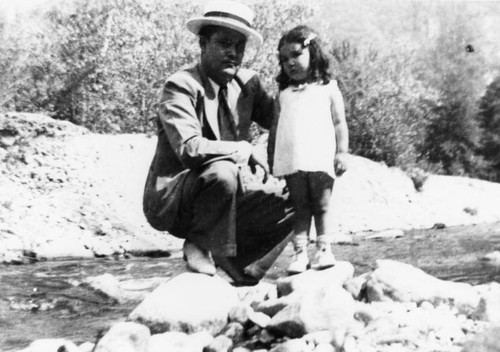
489,121
387,108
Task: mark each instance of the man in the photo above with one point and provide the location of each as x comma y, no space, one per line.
194,188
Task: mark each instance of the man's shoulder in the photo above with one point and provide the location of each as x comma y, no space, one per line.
187,77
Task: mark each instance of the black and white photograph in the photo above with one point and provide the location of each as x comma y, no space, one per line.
249,175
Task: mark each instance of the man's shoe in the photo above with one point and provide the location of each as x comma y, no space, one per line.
198,260
239,277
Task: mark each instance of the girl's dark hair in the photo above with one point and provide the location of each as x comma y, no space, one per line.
319,62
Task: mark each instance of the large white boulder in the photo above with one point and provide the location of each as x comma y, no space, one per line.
175,341
327,308
51,345
400,282
125,337
189,303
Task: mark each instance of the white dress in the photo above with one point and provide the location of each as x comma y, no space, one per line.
305,135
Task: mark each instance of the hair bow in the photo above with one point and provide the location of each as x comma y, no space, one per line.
310,37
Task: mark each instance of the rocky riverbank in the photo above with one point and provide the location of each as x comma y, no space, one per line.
395,307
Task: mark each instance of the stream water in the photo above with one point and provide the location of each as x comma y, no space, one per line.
46,300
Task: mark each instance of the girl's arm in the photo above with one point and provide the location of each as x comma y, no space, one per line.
341,130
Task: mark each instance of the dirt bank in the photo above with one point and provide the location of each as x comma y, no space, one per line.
67,192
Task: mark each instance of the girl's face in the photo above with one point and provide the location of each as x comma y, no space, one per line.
295,60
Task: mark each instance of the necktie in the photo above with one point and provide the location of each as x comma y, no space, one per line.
227,126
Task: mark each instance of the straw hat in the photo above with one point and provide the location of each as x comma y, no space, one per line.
229,14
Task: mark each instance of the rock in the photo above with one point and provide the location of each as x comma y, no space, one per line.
327,308
176,341
293,345
386,235
439,226
240,313
188,302
273,306
253,295
409,325
487,341
260,319
234,331
492,259
317,337
315,279
355,285
401,282
51,345
101,248
266,337
341,238
324,347
62,248
124,337
244,349
86,347
365,312
489,305
220,344
124,292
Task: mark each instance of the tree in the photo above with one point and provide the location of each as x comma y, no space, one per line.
387,108
489,120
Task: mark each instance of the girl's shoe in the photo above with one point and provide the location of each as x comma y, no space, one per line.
300,262
324,257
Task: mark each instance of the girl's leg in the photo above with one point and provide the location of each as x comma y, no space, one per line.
321,187
298,187
321,191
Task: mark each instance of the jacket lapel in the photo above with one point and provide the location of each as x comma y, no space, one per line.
209,94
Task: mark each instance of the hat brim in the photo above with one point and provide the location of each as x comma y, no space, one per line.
253,37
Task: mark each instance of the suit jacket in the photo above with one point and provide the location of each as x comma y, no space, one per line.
187,139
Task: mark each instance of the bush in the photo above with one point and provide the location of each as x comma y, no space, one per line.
388,110
489,121
410,102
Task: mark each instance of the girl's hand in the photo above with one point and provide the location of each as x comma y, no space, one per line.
340,163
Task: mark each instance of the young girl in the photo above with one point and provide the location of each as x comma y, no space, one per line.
308,142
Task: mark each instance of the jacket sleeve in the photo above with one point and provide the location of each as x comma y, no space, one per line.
271,141
263,112
180,111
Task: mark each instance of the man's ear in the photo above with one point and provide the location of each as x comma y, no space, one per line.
203,43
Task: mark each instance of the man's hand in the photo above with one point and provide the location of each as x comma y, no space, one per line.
256,159
340,163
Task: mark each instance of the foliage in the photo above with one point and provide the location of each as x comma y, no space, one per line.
489,120
387,108
411,90
457,74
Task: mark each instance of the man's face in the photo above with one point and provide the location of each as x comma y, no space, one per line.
222,53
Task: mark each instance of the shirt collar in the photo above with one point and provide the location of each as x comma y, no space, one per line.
215,86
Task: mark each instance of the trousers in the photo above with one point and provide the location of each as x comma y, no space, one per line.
239,225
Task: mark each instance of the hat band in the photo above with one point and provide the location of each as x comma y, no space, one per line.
228,15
